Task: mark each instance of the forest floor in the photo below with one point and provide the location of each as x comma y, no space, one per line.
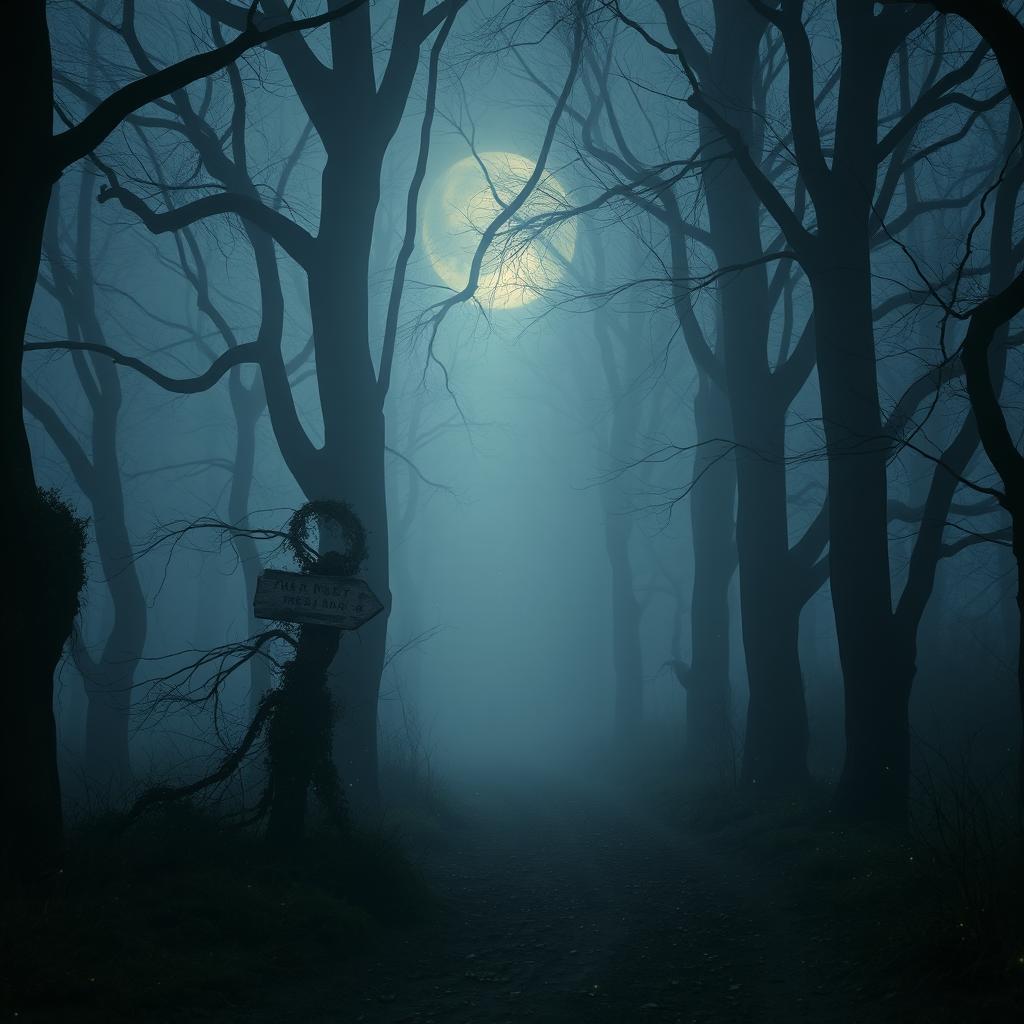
559,906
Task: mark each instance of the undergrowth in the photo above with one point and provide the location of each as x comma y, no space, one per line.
923,921
179,911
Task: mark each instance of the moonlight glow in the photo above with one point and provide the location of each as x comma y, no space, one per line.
519,267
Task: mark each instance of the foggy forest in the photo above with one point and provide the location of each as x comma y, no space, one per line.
516,511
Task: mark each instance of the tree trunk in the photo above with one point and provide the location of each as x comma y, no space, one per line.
352,462
47,561
109,688
300,733
710,750
356,671
107,762
621,356
877,667
626,654
33,641
247,403
775,749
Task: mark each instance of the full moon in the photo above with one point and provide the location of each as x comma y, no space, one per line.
519,267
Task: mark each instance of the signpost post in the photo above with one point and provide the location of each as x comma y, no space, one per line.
300,732
299,713
344,602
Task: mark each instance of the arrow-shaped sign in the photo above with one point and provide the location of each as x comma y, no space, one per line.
344,602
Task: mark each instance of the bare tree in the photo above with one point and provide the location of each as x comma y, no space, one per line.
108,678
982,351
353,370
848,215
43,561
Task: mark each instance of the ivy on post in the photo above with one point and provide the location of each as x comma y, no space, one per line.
324,598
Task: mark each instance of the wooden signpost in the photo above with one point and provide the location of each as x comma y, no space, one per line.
344,602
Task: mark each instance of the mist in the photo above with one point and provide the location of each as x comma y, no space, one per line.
515,512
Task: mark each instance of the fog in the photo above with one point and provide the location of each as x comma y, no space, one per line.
655,368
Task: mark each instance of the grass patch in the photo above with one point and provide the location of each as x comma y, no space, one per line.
179,911
925,921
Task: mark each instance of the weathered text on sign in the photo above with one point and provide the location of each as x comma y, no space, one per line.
344,602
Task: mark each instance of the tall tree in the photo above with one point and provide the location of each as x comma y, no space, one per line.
760,371
45,565
987,322
850,207
353,371
108,678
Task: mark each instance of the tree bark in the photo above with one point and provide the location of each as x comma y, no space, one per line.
775,747
37,624
352,461
878,664
109,689
710,746
248,404
30,799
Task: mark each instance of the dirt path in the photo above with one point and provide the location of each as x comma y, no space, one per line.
560,909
